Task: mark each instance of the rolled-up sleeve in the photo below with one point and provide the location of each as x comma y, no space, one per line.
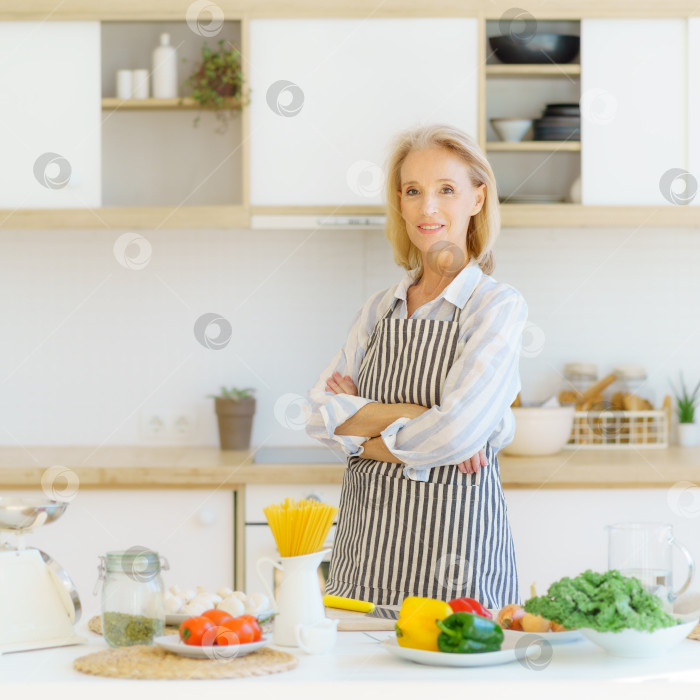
328,410
479,389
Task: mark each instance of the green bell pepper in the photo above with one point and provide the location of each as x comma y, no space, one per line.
467,633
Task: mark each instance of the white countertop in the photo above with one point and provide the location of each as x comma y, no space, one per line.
359,659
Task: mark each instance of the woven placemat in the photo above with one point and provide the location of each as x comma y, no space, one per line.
695,634
154,663
95,625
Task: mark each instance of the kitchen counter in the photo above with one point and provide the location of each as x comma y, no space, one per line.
359,660
207,467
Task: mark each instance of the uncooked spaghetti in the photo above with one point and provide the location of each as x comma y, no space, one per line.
299,527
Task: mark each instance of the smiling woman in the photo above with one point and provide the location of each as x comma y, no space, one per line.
419,395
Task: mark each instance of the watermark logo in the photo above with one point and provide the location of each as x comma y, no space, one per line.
205,18
132,251
533,340
446,258
533,652
598,106
60,484
52,171
518,24
678,186
140,564
365,178
285,98
451,573
292,411
683,499
203,327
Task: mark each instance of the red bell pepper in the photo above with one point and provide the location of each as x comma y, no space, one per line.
471,606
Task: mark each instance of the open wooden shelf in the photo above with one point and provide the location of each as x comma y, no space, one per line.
534,69
112,103
533,146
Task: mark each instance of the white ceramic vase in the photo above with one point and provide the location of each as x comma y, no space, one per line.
688,434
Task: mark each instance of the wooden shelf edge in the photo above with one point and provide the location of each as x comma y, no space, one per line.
115,103
579,215
533,146
224,216
523,70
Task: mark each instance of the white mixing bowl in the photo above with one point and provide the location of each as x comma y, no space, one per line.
540,431
511,128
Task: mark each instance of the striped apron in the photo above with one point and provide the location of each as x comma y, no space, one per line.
444,538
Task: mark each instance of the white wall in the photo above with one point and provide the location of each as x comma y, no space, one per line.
89,347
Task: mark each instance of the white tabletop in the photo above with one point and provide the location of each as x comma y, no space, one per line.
361,658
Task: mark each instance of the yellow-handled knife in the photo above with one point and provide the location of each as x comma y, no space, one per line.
334,601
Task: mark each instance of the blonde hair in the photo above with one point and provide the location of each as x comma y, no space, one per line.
483,228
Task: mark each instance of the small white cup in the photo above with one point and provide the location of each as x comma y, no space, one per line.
318,638
125,84
139,79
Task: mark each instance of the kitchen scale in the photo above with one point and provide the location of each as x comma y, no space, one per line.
39,603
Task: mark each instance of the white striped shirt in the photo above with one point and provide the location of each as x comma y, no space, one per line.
479,388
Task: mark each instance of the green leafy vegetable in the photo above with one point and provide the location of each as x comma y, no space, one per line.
607,602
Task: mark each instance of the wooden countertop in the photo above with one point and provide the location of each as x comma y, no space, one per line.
207,467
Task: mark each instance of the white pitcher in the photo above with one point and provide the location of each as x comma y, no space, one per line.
299,600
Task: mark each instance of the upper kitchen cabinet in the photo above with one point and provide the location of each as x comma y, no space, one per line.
633,108
329,95
154,154
50,115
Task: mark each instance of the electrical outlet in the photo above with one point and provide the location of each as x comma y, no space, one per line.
152,426
182,426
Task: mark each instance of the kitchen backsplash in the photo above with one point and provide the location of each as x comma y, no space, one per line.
96,353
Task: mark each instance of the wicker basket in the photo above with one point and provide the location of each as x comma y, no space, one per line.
619,429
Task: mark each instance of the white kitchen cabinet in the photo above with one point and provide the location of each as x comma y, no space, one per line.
192,529
693,164
561,532
323,136
633,107
50,115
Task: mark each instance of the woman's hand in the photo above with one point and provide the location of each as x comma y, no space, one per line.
474,464
341,385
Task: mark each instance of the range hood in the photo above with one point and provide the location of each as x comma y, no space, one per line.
313,221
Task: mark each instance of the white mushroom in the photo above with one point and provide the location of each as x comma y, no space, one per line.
224,592
232,605
240,595
197,606
188,595
257,603
172,603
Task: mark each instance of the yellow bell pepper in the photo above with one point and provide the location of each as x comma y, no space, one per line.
416,627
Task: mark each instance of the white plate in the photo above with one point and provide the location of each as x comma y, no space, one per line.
175,645
552,637
175,620
510,651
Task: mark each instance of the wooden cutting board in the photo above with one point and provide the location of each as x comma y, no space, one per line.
351,621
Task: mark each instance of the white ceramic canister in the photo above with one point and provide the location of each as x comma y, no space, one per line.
164,69
139,79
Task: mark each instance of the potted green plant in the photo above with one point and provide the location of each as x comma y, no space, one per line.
686,403
234,411
217,82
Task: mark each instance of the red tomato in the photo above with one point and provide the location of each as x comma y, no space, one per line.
218,617
193,629
253,622
242,629
222,636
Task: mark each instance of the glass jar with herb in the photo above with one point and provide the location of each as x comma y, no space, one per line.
133,605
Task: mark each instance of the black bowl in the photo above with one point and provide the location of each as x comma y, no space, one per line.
540,48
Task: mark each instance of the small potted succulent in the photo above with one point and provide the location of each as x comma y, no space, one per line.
217,82
686,403
234,410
